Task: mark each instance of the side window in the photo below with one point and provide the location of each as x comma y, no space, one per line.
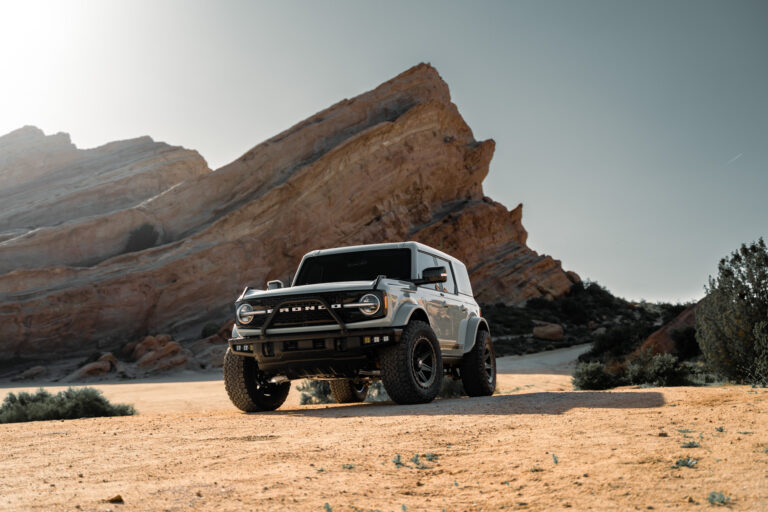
449,286
425,261
462,279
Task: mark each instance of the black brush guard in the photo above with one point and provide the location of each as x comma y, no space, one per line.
318,354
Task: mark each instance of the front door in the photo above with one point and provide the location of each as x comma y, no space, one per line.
436,304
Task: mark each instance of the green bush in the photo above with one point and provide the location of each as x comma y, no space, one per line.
726,319
319,391
664,370
592,376
315,392
686,345
760,372
65,405
618,341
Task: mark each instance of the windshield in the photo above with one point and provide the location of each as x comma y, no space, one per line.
356,266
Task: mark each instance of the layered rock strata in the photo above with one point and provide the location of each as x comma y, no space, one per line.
392,164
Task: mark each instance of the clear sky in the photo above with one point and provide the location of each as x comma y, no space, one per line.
634,133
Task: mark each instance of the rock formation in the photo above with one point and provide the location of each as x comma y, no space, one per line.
660,341
105,245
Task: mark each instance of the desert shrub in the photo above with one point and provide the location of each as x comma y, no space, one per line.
634,372
726,319
315,392
670,311
376,392
664,370
592,375
65,405
618,341
719,499
760,371
656,370
507,319
452,388
319,391
143,237
209,329
686,345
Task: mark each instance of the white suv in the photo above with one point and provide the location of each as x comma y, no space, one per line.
402,313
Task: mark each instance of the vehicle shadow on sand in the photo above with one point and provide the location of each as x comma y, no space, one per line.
497,405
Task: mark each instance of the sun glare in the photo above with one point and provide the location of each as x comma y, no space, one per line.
36,39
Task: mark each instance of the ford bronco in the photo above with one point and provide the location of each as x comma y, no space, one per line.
402,313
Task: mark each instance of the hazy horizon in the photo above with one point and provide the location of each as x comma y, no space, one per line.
633,133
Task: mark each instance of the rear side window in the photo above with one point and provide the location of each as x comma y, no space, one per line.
462,278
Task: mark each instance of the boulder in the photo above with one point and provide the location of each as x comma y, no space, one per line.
548,332
95,369
146,345
110,358
32,373
106,244
660,341
150,359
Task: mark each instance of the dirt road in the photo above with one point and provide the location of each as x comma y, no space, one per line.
536,446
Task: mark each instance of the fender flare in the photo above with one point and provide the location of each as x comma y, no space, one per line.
470,333
405,312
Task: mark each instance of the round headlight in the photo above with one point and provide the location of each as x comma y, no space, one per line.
374,302
242,315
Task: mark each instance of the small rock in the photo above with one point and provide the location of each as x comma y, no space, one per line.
127,349
148,344
162,339
110,358
117,499
32,373
548,332
599,331
94,369
573,276
150,358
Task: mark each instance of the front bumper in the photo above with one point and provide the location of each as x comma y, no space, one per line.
343,353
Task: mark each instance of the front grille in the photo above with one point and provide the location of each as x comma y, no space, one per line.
299,312
302,313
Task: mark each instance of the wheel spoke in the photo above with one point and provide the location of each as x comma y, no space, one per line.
423,362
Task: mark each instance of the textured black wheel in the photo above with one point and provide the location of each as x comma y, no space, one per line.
478,367
247,392
412,370
348,391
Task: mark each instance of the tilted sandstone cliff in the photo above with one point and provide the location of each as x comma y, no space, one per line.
392,164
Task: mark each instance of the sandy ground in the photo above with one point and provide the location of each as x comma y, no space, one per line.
536,446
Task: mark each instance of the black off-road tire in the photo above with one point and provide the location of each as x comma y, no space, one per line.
404,366
478,367
244,389
348,391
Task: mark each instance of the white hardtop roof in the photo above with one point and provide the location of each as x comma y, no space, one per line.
372,247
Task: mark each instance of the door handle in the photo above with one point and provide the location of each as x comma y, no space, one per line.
464,308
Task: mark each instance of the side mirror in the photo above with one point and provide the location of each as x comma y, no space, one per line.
432,275
274,285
